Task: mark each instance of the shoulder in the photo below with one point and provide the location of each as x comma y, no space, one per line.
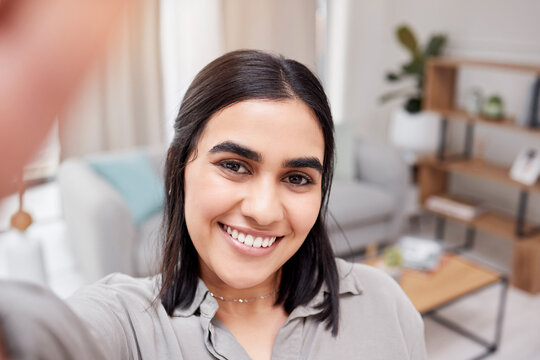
117,297
121,312
372,296
374,286
361,278
121,286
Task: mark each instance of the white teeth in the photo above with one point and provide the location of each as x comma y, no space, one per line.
249,240
258,242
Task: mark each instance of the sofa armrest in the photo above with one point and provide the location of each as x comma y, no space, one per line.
157,156
384,166
100,227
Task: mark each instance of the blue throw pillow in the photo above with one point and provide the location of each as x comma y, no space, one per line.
133,176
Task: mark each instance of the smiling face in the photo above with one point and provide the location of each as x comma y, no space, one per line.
253,191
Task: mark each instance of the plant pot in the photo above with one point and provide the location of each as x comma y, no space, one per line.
417,133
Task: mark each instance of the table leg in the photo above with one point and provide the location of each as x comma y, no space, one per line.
490,347
439,228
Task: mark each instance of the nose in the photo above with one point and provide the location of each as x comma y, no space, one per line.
262,203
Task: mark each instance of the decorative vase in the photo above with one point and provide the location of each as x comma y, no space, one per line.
493,108
417,133
474,101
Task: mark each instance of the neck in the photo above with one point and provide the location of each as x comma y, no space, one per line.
232,300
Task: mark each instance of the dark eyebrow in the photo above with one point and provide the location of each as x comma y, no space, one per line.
307,162
229,146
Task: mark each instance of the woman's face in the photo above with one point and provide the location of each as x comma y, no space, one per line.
253,191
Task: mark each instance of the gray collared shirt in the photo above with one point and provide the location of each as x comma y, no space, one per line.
377,321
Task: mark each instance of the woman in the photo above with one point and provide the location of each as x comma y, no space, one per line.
248,270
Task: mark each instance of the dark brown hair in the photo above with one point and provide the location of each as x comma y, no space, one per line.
232,78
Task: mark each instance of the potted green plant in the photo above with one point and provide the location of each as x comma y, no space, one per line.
410,127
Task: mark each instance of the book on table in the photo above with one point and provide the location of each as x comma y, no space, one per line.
420,253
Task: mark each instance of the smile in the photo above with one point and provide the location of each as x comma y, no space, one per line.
249,239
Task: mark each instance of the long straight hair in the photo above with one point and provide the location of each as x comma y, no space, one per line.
234,77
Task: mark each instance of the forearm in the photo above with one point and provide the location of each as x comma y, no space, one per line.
45,49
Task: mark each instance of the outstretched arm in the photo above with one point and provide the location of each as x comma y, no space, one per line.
35,324
45,49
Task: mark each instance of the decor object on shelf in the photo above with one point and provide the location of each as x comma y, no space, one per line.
416,133
459,208
474,101
414,69
411,129
419,253
526,167
493,108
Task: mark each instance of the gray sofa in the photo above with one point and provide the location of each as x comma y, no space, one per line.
105,239
370,208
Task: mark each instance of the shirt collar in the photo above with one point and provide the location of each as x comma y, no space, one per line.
202,295
348,284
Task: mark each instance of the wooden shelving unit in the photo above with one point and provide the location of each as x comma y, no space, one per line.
439,96
462,116
477,168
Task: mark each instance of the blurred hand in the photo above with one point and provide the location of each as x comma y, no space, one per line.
45,49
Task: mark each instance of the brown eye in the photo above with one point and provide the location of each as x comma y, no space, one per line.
298,180
234,166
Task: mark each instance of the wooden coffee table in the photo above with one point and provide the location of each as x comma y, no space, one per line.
454,279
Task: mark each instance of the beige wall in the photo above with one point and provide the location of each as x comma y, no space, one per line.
283,26
494,30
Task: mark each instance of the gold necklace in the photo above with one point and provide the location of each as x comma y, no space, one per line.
243,300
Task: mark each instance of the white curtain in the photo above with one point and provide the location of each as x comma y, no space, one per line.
191,37
133,100
121,104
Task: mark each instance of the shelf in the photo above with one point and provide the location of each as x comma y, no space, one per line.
454,63
478,168
492,223
461,115
440,88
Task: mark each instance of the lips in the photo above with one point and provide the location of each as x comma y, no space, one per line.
250,240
